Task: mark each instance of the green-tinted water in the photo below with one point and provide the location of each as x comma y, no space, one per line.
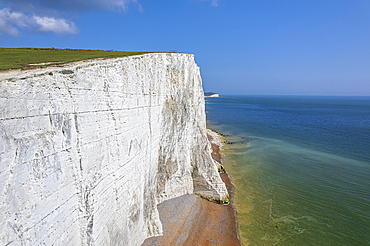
298,183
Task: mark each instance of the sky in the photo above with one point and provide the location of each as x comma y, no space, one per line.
256,47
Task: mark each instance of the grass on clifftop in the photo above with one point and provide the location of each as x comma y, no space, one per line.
11,58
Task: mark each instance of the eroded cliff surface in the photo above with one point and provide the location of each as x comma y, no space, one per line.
88,150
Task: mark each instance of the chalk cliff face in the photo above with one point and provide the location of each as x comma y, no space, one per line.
88,150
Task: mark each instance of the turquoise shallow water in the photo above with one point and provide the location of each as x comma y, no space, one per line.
300,165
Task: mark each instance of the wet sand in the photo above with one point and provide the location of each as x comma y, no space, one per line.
190,220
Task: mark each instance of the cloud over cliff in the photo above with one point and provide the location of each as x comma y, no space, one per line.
52,15
78,6
58,16
10,22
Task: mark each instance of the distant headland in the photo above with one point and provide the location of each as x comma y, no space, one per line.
211,94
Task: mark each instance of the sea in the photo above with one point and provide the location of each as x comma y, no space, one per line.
300,166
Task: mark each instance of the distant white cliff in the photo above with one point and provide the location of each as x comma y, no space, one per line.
88,150
211,94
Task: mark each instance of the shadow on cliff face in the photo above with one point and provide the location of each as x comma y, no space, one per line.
187,166
174,168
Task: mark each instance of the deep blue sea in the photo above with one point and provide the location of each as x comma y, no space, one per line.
300,166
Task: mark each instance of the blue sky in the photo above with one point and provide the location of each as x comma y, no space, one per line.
260,47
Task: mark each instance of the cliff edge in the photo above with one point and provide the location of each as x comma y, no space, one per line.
88,150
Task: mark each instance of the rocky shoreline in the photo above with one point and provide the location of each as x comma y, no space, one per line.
191,220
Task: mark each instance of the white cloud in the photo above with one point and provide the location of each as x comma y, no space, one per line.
50,24
48,15
215,3
76,6
5,28
12,22
140,8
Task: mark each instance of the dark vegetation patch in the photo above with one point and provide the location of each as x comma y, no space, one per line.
226,199
221,169
26,58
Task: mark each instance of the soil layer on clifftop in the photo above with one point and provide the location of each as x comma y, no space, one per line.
191,220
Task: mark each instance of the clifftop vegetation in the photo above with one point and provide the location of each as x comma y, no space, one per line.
26,58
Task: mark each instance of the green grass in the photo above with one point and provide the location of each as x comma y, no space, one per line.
12,58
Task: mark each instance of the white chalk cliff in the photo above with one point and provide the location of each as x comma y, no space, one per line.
88,150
